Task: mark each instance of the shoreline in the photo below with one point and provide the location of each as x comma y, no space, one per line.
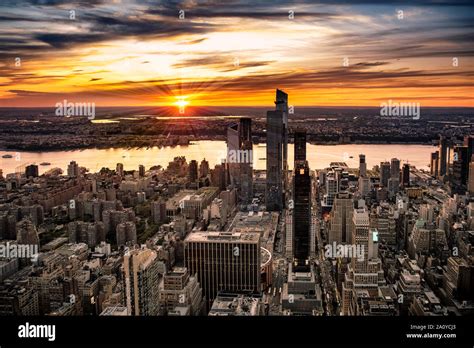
72,149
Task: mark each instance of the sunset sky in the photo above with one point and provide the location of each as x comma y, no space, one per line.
235,53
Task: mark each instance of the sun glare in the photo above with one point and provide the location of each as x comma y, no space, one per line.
181,103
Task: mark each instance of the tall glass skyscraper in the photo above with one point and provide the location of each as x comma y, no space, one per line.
277,153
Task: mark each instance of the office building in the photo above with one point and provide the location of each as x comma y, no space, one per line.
141,170
240,158
224,261
365,269
141,275
340,220
180,289
443,156
31,171
460,170
395,168
277,153
384,173
73,169
193,171
119,169
362,166
301,213
434,164
300,146
406,175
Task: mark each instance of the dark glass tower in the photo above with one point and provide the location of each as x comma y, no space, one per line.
239,158
301,215
277,153
300,146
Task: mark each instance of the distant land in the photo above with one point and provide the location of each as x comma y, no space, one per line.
39,129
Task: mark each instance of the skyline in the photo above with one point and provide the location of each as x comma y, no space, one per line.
140,53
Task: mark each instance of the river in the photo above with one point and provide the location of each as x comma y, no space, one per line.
319,156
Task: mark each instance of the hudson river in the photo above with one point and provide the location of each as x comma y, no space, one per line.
319,156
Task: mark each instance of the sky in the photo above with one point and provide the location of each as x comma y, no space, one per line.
236,52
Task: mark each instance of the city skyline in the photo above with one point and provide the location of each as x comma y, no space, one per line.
343,53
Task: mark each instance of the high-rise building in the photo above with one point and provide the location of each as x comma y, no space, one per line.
180,289
277,153
471,178
31,171
469,143
384,173
141,275
126,232
158,211
219,176
395,168
443,156
240,158
300,146
73,169
301,214
362,166
434,164
406,175
141,170
119,169
224,261
460,170
204,168
365,269
340,221
193,171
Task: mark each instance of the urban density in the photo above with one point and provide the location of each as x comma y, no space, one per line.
191,239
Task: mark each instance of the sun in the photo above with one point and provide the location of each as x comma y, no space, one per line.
181,103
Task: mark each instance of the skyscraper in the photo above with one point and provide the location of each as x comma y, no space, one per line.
204,168
224,261
277,153
193,171
141,170
395,168
341,219
384,173
406,175
365,270
140,268
469,143
443,156
460,169
73,169
362,166
119,169
434,164
240,158
301,214
300,146
471,178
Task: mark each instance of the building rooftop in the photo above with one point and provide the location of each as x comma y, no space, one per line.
223,237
